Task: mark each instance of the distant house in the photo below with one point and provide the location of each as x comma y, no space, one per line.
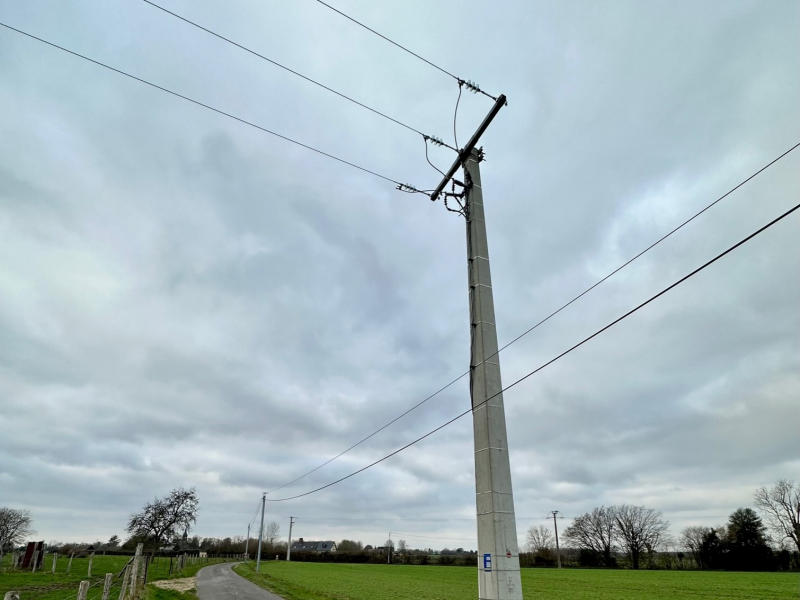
303,546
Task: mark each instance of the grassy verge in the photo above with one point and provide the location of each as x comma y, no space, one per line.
277,585
46,585
321,581
152,592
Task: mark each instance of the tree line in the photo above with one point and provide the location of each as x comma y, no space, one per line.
640,535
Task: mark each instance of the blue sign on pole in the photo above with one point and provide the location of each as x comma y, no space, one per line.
487,562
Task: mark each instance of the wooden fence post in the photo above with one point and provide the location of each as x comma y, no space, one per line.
55,560
137,558
12,596
69,564
107,586
83,590
124,587
91,559
35,560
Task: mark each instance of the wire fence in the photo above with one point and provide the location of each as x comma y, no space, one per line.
71,578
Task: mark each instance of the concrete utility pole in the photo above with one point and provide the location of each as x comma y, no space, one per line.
389,550
289,546
498,552
261,532
247,544
555,526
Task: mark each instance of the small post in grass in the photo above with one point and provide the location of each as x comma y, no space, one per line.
69,564
55,560
91,559
107,586
83,590
135,574
11,596
124,586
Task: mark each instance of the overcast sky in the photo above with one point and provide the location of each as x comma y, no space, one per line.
187,301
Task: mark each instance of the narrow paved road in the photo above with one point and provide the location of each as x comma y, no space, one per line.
219,582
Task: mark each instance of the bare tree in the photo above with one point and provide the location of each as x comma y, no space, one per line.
162,519
639,530
692,539
402,546
539,539
594,531
272,535
15,526
781,507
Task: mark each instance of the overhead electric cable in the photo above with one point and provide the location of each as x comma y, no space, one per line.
255,514
390,41
216,110
549,362
545,319
455,115
277,64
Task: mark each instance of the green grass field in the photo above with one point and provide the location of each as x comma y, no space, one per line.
44,585
320,581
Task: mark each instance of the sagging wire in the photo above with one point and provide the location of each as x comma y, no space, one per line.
458,197
455,114
426,138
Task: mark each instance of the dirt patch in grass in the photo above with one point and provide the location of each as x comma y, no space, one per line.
179,585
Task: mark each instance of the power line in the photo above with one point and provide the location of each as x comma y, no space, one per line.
284,67
255,514
455,114
552,360
385,519
471,85
390,41
216,110
544,320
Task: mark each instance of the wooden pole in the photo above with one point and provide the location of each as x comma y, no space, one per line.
91,559
35,560
124,587
55,560
135,574
69,564
107,586
83,590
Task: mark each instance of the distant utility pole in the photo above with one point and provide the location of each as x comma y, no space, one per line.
289,546
498,551
247,544
555,526
389,550
261,532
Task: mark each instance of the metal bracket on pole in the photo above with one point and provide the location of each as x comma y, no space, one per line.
465,152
